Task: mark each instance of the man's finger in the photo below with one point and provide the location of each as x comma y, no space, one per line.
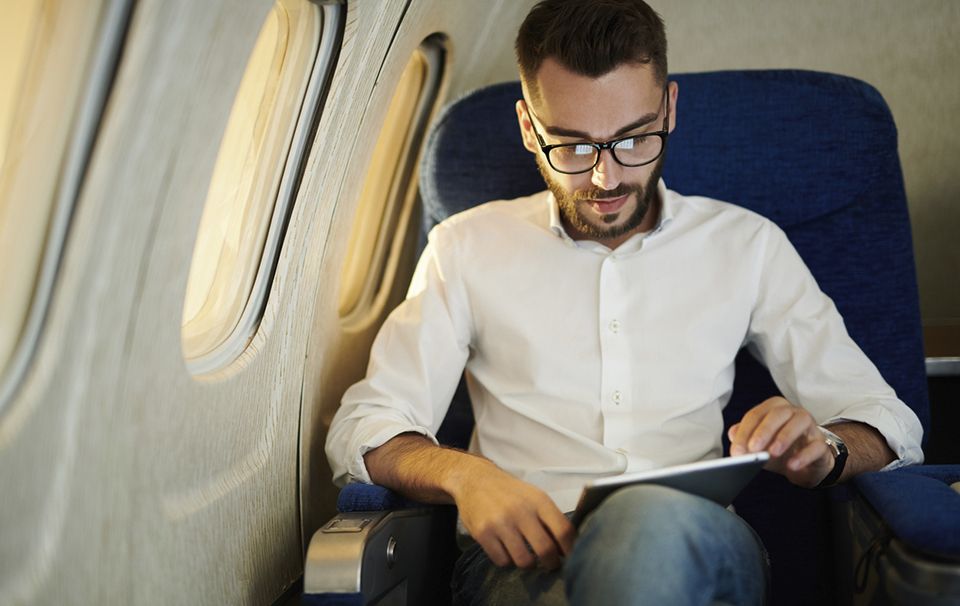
767,428
562,530
747,424
810,453
520,554
496,552
796,430
541,543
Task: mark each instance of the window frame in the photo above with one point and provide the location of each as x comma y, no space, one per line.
399,221
105,52
333,18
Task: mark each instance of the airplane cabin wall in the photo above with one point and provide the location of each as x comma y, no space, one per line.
479,51
135,481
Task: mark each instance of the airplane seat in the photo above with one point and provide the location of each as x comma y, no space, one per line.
817,154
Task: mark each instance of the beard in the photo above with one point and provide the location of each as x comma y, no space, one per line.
575,211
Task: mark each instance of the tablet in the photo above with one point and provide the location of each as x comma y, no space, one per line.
719,480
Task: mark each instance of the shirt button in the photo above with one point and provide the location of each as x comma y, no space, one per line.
617,397
614,326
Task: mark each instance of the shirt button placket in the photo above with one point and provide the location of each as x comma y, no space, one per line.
614,351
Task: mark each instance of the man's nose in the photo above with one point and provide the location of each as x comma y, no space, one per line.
608,172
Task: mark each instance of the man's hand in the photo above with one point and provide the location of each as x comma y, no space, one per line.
790,434
513,521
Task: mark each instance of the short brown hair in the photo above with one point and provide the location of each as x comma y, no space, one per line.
591,37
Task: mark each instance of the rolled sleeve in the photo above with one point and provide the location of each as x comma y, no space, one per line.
375,431
415,364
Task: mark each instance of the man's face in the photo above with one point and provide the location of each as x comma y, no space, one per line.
599,214
610,202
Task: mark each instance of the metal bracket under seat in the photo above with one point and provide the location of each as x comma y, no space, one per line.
887,571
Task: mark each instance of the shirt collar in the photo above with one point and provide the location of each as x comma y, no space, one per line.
667,212
556,225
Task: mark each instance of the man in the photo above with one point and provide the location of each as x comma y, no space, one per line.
598,322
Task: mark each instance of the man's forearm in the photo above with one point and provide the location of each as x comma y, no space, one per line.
419,469
867,448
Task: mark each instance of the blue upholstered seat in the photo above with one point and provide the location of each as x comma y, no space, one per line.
919,506
816,153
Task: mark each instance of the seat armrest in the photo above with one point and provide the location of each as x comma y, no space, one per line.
919,506
379,557
943,366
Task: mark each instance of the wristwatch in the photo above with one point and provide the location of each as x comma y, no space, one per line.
839,450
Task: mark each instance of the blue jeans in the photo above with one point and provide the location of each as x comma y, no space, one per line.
644,545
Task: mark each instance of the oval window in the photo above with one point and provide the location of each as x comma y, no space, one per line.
57,61
384,231
254,181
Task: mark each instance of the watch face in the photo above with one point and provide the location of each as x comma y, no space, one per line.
835,443
839,450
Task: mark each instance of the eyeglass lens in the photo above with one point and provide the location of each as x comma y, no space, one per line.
632,151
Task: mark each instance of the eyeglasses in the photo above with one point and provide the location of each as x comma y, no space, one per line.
631,151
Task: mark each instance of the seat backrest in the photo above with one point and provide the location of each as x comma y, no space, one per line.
814,152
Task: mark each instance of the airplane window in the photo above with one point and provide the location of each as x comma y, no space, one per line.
254,181
17,30
384,234
56,65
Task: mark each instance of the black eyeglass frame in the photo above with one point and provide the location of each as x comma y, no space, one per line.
663,134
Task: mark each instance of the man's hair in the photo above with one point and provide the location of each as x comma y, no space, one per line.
591,37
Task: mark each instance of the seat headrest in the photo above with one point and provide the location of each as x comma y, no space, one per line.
773,137
474,154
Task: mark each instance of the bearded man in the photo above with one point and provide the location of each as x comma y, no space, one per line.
597,323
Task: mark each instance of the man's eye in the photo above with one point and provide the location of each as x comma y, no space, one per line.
632,142
574,151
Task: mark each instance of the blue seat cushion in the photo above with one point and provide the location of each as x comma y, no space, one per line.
334,599
367,497
919,506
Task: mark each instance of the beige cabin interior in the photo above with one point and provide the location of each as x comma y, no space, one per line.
208,208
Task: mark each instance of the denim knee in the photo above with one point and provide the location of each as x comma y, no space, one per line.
648,506
650,544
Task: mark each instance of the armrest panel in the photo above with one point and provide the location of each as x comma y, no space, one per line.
379,557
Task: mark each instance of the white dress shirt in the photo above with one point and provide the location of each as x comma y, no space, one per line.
584,362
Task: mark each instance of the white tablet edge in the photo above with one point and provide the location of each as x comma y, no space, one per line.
664,472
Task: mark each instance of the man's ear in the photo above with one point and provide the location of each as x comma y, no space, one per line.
526,128
673,90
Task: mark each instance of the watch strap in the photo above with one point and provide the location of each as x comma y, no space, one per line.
839,449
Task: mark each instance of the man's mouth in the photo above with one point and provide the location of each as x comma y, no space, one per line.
605,206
